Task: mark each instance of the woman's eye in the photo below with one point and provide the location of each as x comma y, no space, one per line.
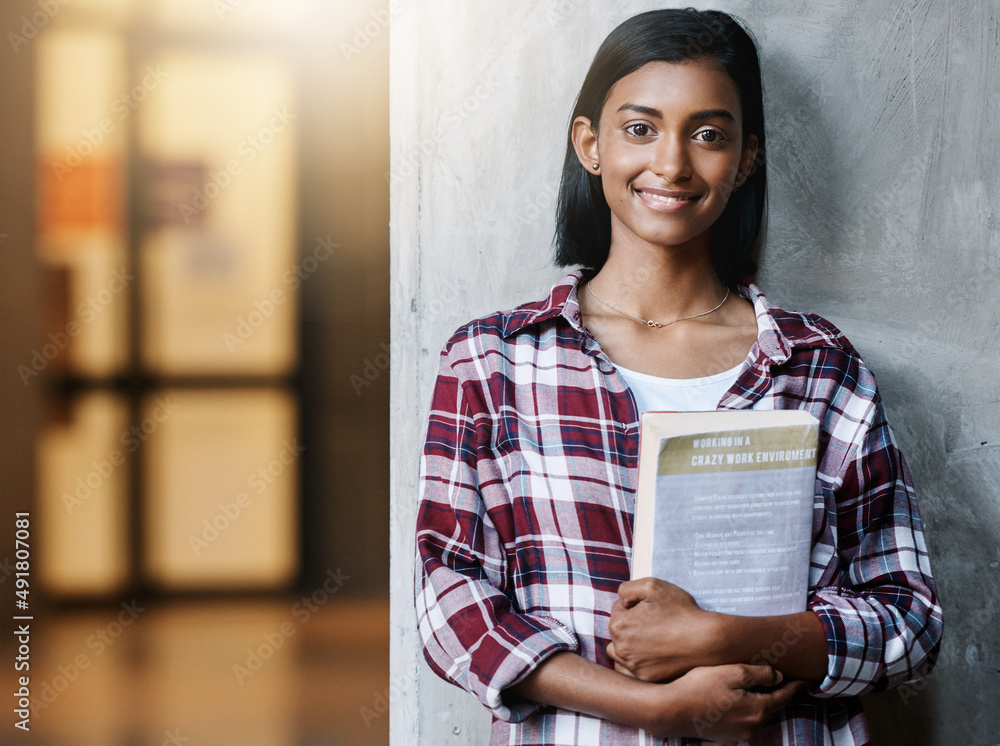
639,130
712,136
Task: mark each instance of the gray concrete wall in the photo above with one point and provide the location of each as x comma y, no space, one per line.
884,216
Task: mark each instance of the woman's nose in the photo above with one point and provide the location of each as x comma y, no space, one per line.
671,160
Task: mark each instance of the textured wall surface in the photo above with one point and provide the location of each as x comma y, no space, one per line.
884,216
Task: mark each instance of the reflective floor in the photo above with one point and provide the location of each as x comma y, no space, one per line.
273,673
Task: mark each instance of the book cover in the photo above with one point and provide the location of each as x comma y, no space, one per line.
724,507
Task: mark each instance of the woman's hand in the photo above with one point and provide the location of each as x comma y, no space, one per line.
716,703
658,631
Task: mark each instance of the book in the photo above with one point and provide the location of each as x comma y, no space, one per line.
724,507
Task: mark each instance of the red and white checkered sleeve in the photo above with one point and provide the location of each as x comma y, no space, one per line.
882,615
471,631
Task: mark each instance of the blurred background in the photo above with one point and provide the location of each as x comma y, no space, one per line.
194,351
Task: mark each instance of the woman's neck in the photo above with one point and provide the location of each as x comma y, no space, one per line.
658,283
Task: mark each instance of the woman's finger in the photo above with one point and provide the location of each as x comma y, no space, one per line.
623,670
762,675
612,654
774,701
631,592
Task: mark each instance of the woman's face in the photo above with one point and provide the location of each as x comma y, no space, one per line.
670,147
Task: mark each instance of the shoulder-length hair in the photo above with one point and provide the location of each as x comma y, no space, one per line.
583,218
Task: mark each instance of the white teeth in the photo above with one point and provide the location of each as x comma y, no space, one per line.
666,199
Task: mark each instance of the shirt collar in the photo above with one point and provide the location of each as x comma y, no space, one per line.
772,341
561,301
776,337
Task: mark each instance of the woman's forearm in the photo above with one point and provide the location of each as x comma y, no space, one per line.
571,682
794,644
680,708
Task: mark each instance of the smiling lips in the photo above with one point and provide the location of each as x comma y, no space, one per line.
662,200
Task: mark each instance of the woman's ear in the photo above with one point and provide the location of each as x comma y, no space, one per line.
585,144
747,159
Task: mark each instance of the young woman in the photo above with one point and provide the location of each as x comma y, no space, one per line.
529,466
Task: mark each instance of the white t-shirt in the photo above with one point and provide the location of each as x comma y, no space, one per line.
655,394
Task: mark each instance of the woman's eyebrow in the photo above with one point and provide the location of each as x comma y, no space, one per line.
712,114
694,117
648,110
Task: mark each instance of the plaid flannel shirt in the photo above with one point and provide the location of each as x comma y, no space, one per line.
524,530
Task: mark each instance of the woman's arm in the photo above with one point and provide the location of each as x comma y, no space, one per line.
880,608
715,703
874,621
472,632
659,632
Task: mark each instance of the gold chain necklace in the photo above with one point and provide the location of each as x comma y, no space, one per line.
656,324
